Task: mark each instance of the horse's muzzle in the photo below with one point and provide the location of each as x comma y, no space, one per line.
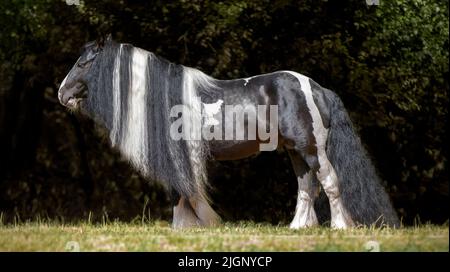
70,97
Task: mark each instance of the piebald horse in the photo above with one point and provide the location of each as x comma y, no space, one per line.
132,93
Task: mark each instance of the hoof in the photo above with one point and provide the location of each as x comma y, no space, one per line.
340,218
194,213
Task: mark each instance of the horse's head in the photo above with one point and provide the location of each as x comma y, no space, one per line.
74,87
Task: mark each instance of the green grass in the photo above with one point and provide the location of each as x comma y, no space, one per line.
158,236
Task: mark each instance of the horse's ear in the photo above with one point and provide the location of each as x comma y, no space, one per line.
100,42
109,37
104,40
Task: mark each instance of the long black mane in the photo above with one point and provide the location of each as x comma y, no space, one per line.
147,143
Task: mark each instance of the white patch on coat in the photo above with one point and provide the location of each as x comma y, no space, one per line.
116,99
326,175
319,131
135,145
209,110
247,80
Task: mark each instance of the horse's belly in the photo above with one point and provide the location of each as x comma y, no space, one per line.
233,150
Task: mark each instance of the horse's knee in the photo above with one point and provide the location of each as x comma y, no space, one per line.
330,185
328,178
323,170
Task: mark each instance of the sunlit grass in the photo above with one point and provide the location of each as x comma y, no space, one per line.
44,235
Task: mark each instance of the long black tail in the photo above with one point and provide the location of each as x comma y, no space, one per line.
362,193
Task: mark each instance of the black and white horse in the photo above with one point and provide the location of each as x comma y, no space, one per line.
133,93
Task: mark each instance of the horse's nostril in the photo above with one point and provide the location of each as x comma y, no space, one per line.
67,99
84,93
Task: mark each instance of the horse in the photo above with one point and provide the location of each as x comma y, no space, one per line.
132,93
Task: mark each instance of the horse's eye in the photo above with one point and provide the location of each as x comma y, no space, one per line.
81,64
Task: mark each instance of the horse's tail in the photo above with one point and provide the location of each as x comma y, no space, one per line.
361,189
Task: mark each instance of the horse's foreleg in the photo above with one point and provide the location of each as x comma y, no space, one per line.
207,216
184,215
194,212
305,216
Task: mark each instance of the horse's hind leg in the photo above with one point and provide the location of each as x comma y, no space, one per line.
305,216
312,150
326,174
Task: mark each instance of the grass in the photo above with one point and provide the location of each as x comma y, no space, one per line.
243,236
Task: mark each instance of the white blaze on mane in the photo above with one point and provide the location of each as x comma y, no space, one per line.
193,80
116,99
134,145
